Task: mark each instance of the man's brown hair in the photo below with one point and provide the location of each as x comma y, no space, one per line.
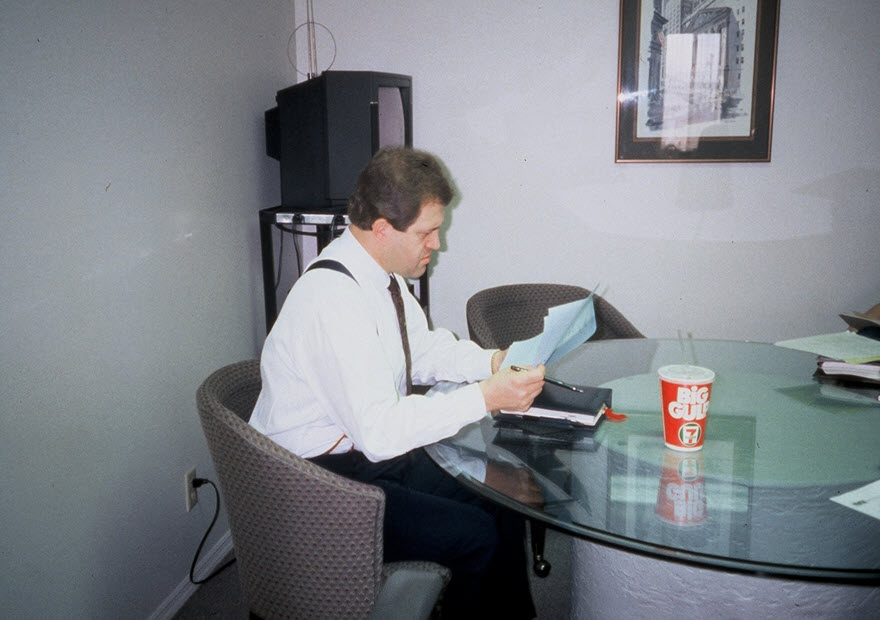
395,185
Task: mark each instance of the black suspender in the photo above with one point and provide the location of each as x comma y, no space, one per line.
335,265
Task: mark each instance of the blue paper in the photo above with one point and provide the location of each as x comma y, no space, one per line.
565,327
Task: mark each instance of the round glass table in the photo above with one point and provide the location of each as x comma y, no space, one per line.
765,495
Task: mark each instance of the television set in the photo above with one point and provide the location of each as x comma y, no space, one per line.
324,131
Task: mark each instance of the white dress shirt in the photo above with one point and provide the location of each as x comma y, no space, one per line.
333,366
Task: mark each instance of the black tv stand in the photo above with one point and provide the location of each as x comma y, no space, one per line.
324,227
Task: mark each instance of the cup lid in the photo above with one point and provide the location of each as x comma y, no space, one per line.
686,372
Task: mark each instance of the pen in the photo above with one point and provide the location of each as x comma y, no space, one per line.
569,386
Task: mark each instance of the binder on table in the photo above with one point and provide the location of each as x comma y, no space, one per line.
560,406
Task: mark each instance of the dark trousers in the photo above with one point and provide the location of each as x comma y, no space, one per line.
430,516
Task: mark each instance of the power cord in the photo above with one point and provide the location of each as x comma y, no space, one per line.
197,482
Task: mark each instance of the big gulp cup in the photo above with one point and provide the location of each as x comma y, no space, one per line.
681,499
684,395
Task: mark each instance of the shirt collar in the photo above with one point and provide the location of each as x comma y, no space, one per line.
358,260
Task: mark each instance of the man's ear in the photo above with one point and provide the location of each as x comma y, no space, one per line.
381,228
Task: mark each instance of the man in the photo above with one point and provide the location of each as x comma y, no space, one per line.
336,386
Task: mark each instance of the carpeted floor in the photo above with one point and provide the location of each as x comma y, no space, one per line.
220,598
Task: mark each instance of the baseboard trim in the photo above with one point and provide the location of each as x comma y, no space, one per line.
185,589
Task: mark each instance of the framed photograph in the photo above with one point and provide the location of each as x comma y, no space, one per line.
696,80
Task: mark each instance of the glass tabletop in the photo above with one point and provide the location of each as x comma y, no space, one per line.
759,495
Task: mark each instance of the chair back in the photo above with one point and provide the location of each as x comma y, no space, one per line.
308,542
499,316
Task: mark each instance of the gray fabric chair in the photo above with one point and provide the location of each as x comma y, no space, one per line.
499,316
308,541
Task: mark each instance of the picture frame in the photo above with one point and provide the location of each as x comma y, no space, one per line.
698,86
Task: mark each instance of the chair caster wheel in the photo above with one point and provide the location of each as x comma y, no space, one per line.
541,567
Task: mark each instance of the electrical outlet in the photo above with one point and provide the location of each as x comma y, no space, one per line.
192,495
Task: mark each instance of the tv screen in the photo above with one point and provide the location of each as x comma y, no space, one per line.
325,130
392,119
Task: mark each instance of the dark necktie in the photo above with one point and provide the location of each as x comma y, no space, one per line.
394,287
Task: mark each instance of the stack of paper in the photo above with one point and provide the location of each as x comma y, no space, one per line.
869,370
848,363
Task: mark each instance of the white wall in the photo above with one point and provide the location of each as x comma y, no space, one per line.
133,169
132,172
518,98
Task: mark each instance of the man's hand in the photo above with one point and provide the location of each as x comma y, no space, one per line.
515,482
513,390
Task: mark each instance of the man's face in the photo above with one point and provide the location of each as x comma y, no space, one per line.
409,252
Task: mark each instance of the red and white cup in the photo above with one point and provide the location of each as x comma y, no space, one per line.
684,396
681,499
